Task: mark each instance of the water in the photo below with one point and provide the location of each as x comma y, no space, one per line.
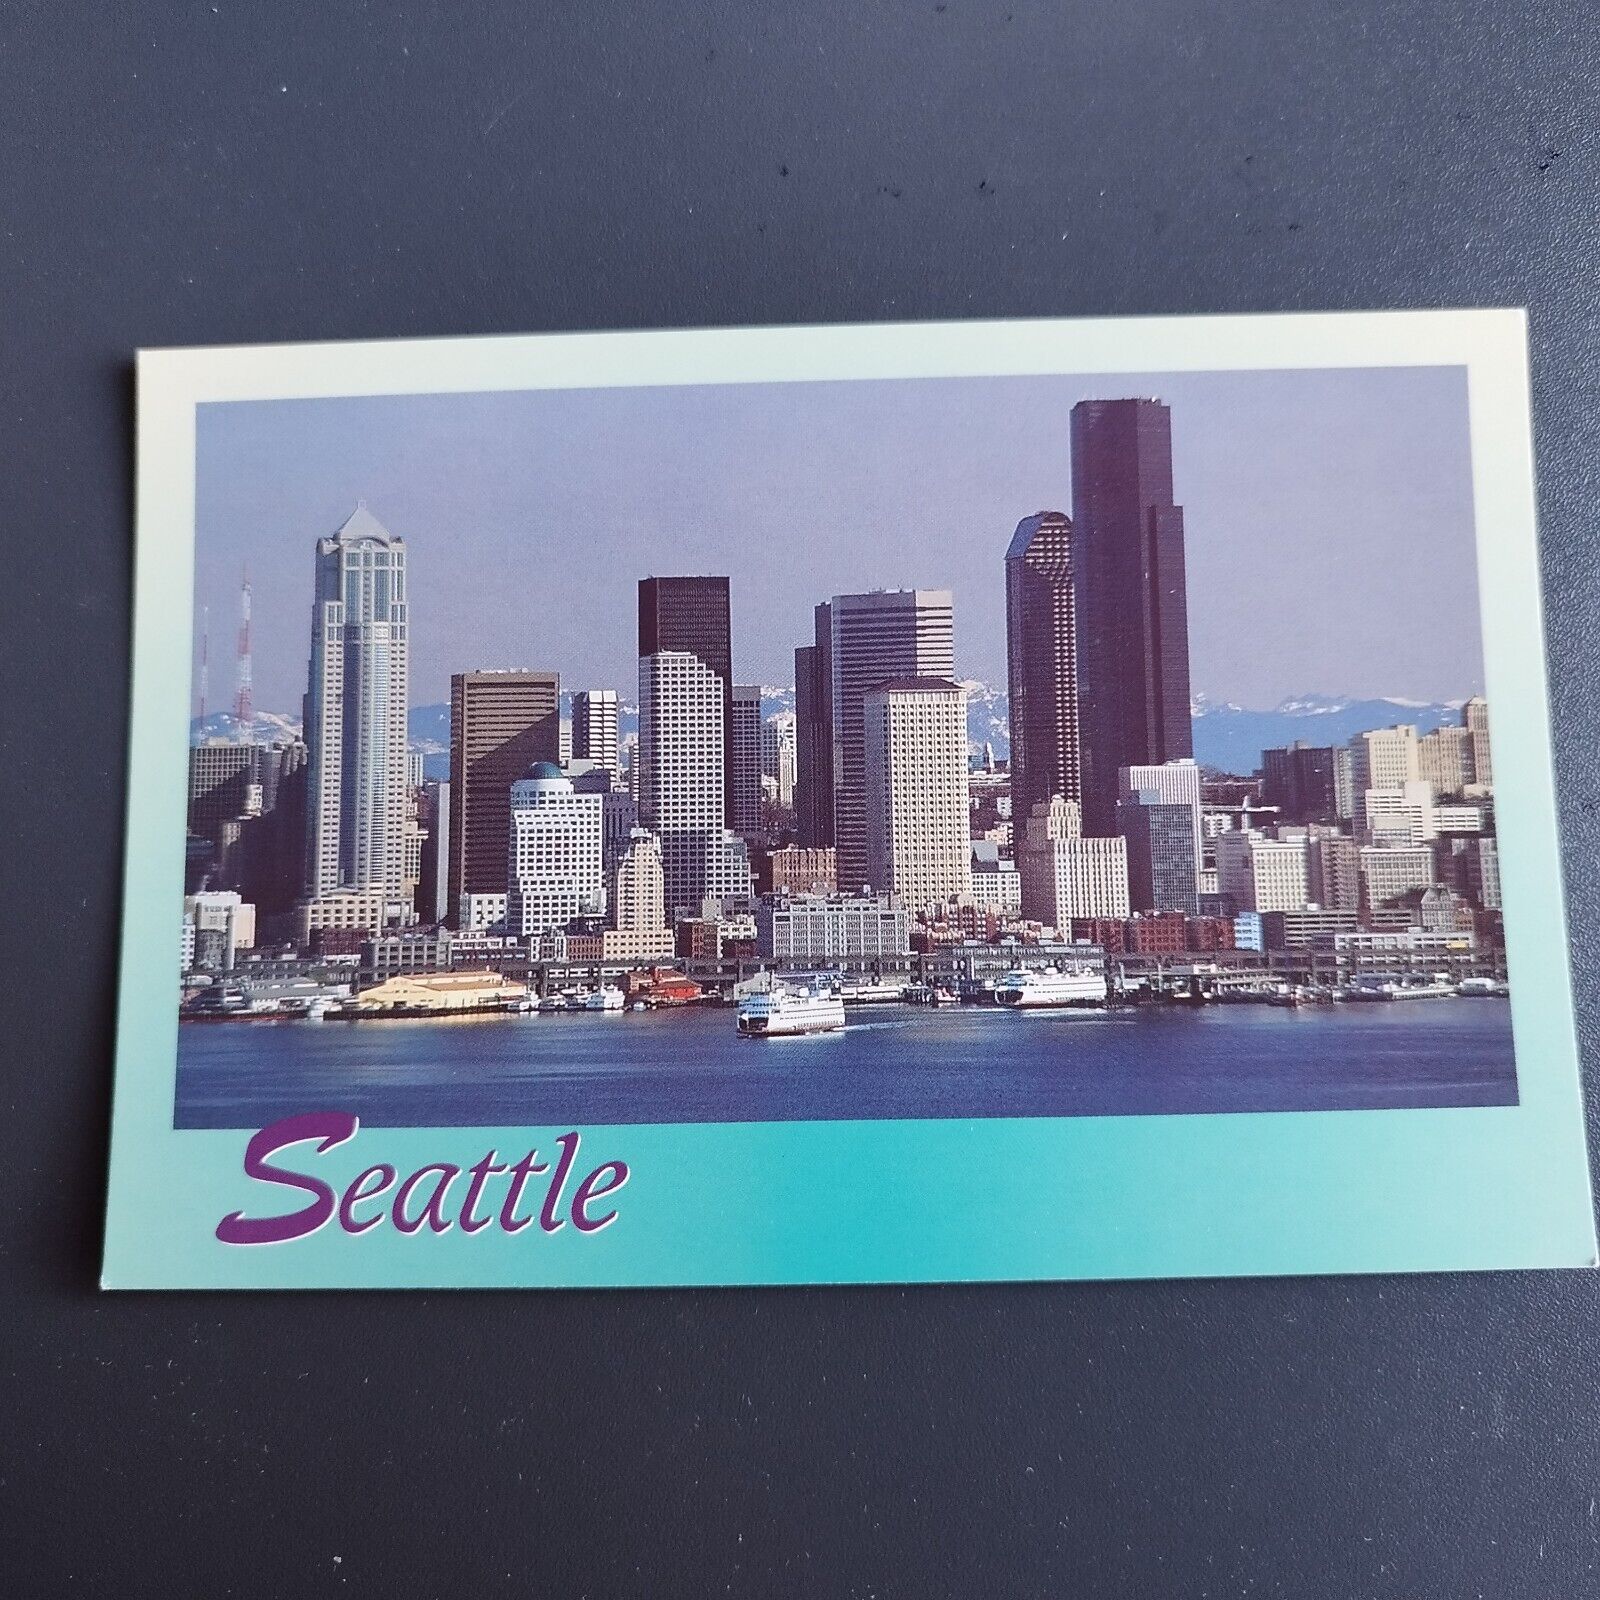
892,1061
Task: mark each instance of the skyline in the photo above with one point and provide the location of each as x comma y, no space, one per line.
1359,459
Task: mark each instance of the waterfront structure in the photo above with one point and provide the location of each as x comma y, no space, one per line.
553,873
682,792
442,991
692,616
1162,837
594,729
1385,758
501,723
1301,780
355,723
1475,719
817,929
1261,874
778,756
1066,877
745,817
1132,599
1042,661
1389,873
914,745
813,733
876,637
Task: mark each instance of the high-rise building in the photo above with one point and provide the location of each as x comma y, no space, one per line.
1334,871
1066,877
1384,758
1042,661
501,723
1174,783
1162,837
355,721
594,729
1444,759
914,743
433,882
682,792
746,747
1475,719
778,755
1132,598
813,733
1388,873
553,870
1301,781
692,616
1261,874
894,633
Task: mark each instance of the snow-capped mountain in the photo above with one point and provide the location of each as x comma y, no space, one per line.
1228,736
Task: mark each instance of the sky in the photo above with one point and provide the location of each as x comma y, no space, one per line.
1328,518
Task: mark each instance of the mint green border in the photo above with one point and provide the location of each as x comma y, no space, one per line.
888,1201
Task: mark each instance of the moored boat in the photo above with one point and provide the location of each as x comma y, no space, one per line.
1053,986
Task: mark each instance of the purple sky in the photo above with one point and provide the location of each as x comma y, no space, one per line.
1328,515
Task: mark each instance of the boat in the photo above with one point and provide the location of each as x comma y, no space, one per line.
788,1009
1051,986
1433,989
604,1000
1483,988
871,991
553,1002
318,1010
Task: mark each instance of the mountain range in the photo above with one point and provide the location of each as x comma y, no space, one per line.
1228,737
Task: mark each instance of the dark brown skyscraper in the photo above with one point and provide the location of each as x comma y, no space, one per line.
500,724
692,614
1132,599
1042,663
813,734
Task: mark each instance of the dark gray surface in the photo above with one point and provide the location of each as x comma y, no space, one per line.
202,174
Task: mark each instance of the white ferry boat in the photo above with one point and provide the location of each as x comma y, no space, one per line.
1053,986
787,1009
871,991
604,1000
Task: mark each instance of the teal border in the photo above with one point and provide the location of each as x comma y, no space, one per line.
1117,1197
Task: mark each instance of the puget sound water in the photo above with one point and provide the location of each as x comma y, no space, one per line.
892,1061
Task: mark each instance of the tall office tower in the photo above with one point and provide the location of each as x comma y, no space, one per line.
691,616
1334,871
1445,760
889,633
553,871
639,903
1042,662
914,743
746,759
1066,877
1475,718
1132,598
682,787
500,724
778,755
355,719
1163,844
226,784
1262,874
813,733
1174,783
1300,780
433,882
274,844
1384,758
594,729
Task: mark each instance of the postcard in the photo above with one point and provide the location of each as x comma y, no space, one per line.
979,801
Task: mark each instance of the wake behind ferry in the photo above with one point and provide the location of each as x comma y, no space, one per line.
787,1009
1055,986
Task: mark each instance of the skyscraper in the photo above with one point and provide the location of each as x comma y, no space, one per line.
553,868
682,787
1042,662
894,633
1301,780
1132,598
813,733
501,723
594,728
691,615
1475,718
777,755
1162,864
747,759
914,735
355,721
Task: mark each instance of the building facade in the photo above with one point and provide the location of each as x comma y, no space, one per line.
1256,873
746,748
594,729
553,871
1162,836
1066,877
824,928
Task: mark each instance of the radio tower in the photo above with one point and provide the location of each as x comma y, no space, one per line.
244,711
205,668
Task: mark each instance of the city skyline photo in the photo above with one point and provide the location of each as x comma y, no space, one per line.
1315,504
